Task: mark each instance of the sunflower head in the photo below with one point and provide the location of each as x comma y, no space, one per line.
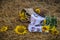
45,28
54,31
37,10
3,28
20,30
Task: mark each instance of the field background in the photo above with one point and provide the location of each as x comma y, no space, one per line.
9,10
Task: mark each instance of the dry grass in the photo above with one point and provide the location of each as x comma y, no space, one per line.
9,10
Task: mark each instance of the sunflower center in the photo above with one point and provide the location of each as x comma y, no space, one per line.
55,32
21,30
45,28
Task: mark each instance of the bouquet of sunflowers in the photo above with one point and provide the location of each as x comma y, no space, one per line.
50,24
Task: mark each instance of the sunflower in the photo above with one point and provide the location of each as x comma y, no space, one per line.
20,30
45,28
54,31
22,16
3,29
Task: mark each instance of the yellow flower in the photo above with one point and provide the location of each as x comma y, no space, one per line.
20,30
22,16
54,31
3,29
45,28
37,10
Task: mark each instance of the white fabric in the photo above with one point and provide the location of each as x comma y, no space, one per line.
34,28
35,20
